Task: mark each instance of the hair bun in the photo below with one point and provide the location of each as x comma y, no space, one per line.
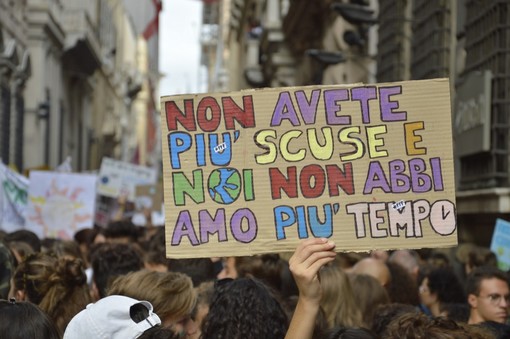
71,271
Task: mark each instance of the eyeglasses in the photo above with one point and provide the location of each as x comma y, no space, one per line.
496,298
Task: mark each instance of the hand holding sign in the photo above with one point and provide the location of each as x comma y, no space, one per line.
305,263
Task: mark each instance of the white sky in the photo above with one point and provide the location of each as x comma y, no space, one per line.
179,47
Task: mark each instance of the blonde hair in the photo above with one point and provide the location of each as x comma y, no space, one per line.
57,285
337,299
171,293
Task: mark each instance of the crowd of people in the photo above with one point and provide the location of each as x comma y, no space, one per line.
116,282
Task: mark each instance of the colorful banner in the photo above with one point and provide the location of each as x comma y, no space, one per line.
60,204
118,178
256,171
13,199
500,243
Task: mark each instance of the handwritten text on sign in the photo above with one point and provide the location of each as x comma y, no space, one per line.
255,171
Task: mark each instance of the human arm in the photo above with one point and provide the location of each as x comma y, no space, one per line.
305,263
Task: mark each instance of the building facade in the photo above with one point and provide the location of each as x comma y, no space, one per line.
71,73
15,69
270,43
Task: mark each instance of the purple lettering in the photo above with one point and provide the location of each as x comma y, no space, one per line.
363,95
421,182
284,110
400,182
331,97
376,179
184,228
308,108
388,106
244,236
210,225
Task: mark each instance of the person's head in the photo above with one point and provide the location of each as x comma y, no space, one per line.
488,295
456,311
368,294
408,259
402,288
113,317
267,268
384,315
6,270
244,309
337,299
341,332
205,293
171,294
20,250
122,231
419,325
24,320
440,286
110,261
198,269
158,332
25,236
472,256
375,268
57,285
66,248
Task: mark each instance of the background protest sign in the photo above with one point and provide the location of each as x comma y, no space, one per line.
368,166
59,204
500,243
149,196
13,199
118,178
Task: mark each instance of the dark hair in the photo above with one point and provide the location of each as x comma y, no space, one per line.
86,236
25,236
24,320
111,260
458,312
402,287
158,332
121,229
340,332
500,331
475,278
265,267
6,269
244,309
198,269
419,325
446,285
384,314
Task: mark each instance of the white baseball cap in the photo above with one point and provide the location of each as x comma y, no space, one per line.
110,318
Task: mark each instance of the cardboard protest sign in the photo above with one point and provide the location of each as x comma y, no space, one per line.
13,199
500,243
59,204
117,178
256,171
